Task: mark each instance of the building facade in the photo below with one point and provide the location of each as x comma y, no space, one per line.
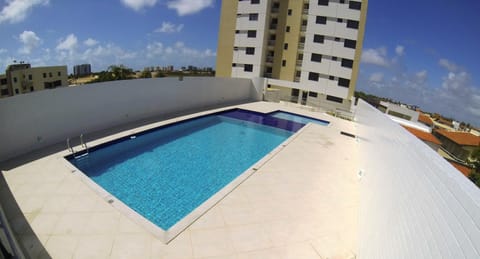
22,78
308,49
82,70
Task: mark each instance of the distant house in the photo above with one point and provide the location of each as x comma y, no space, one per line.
465,170
425,119
427,138
459,144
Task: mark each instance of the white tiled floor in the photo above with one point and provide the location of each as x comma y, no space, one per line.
301,204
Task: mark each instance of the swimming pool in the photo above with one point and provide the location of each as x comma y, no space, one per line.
297,118
166,173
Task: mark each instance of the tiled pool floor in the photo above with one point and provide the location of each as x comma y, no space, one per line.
303,203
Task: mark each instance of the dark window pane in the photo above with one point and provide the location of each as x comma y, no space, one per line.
352,24
284,63
322,2
343,82
354,5
350,44
250,51
248,68
253,16
313,76
252,34
316,57
321,20
347,63
312,94
255,1
318,38
285,46
334,99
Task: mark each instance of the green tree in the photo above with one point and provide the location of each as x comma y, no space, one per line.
475,175
120,72
146,74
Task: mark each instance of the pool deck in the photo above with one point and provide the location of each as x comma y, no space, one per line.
302,203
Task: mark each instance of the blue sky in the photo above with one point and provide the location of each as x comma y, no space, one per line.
419,52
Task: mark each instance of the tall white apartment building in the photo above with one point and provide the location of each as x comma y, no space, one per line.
308,49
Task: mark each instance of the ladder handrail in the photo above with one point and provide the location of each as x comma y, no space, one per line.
69,147
83,143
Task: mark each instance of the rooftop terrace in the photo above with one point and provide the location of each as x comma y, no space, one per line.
383,194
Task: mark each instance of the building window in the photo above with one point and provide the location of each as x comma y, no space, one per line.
342,1
331,78
334,58
49,74
284,63
343,82
334,99
298,73
313,76
318,38
59,73
313,94
248,68
14,79
287,29
253,17
289,12
322,2
236,32
352,24
30,77
316,57
16,90
337,39
355,5
252,34
350,44
4,92
250,51
339,20
3,81
347,63
234,64
254,1
31,89
44,75
321,20
285,46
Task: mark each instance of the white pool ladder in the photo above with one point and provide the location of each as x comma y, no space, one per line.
83,144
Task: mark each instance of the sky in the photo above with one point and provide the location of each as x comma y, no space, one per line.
418,52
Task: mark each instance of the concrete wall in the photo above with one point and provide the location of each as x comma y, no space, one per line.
39,119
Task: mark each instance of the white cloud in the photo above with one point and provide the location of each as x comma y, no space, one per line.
448,65
179,53
375,56
69,43
168,27
421,76
376,77
138,5
186,7
30,41
400,50
17,10
3,51
90,42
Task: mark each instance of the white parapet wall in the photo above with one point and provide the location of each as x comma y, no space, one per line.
413,203
39,119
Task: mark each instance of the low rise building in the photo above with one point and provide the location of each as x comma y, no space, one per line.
22,78
458,144
426,137
82,70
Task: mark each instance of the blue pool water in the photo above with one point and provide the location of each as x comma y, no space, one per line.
297,118
165,173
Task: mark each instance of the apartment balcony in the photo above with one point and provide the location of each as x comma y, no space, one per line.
297,79
274,10
303,28
269,59
305,11
267,75
299,62
301,45
271,43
